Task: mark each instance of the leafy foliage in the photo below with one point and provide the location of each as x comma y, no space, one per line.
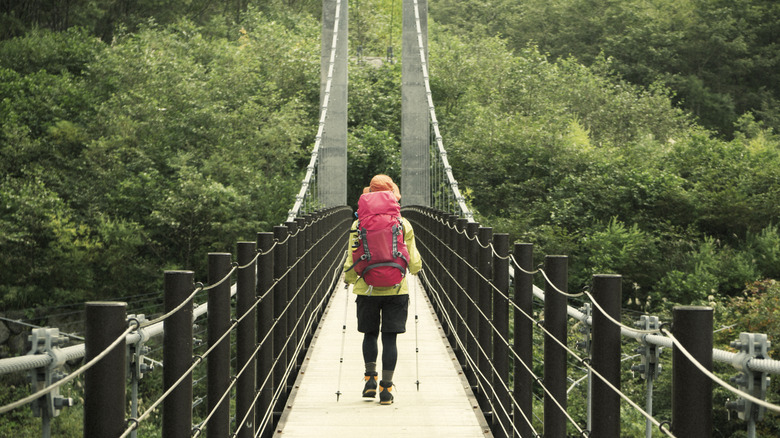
140,138
607,172
165,144
719,56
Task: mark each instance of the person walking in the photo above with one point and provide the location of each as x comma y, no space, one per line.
383,250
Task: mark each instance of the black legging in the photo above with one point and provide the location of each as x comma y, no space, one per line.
389,349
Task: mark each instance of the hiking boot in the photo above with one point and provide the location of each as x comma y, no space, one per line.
369,391
385,397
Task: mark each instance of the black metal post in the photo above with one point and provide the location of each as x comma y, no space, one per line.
219,359
449,288
523,340
177,355
692,389
293,298
555,321
500,343
304,312
315,255
104,383
606,356
431,223
265,320
472,293
246,338
280,303
310,263
461,284
484,301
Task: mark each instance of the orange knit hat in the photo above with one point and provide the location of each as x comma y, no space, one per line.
383,183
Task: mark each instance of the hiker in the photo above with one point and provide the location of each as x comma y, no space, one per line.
382,292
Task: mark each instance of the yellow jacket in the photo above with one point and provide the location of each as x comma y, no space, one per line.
415,263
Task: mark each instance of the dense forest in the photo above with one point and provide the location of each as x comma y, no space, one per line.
639,137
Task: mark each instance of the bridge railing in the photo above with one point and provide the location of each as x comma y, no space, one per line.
478,286
282,282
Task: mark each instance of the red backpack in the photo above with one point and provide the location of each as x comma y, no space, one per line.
380,256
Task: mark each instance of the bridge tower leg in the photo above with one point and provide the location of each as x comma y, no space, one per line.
332,168
415,126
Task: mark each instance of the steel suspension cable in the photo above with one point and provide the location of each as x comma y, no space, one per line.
323,115
465,211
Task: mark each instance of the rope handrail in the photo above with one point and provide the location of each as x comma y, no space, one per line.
71,376
655,337
536,378
763,365
299,345
716,379
199,359
495,331
541,326
766,365
132,335
148,329
462,345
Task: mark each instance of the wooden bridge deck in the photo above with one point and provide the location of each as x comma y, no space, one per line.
443,406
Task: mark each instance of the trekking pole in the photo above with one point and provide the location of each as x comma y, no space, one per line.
416,344
343,337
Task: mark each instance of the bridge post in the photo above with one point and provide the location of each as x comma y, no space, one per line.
450,235
432,233
523,340
295,300
246,338
691,389
485,315
303,303
501,346
606,355
555,321
320,230
308,263
472,315
461,292
280,303
218,362
104,383
177,355
265,312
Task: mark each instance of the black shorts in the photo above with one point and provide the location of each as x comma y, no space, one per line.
389,310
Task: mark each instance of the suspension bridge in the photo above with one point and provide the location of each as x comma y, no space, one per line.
281,352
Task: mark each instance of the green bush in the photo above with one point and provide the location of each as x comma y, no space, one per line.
618,249
765,249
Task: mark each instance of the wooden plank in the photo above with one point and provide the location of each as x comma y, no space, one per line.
443,406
